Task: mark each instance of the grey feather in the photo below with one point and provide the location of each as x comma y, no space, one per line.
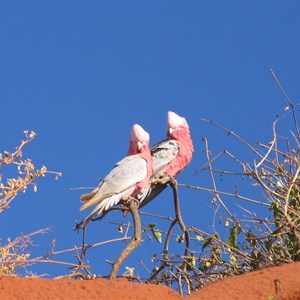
115,186
126,173
162,154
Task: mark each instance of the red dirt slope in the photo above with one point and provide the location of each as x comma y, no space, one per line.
276,283
283,282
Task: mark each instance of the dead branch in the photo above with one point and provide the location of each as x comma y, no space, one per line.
230,132
135,241
235,195
288,99
214,182
173,184
271,147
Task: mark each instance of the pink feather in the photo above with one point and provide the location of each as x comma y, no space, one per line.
179,130
170,156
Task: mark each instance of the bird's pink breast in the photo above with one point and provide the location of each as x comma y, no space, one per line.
183,157
139,185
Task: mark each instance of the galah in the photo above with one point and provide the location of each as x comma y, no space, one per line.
170,156
126,179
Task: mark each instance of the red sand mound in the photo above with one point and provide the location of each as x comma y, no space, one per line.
276,283
283,282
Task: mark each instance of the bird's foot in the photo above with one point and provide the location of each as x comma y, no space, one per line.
167,179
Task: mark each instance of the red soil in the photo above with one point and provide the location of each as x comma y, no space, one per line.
273,283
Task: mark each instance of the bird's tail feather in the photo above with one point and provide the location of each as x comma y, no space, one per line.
90,200
87,197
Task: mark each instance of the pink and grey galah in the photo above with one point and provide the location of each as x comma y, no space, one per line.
169,156
126,179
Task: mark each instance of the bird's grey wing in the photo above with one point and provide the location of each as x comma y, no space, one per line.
125,174
149,193
162,154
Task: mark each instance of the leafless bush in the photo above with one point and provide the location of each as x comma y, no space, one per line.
26,174
14,254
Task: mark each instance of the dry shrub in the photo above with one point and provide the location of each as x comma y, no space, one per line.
14,254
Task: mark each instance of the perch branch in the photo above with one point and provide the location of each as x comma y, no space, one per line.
173,184
135,241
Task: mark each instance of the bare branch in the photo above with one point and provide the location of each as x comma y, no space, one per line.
135,241
289,100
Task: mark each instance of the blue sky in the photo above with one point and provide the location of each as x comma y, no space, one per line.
81,73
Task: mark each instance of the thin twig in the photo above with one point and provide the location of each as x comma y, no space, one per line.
236,195
214,182
230,132
199,231
288,99
165,259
